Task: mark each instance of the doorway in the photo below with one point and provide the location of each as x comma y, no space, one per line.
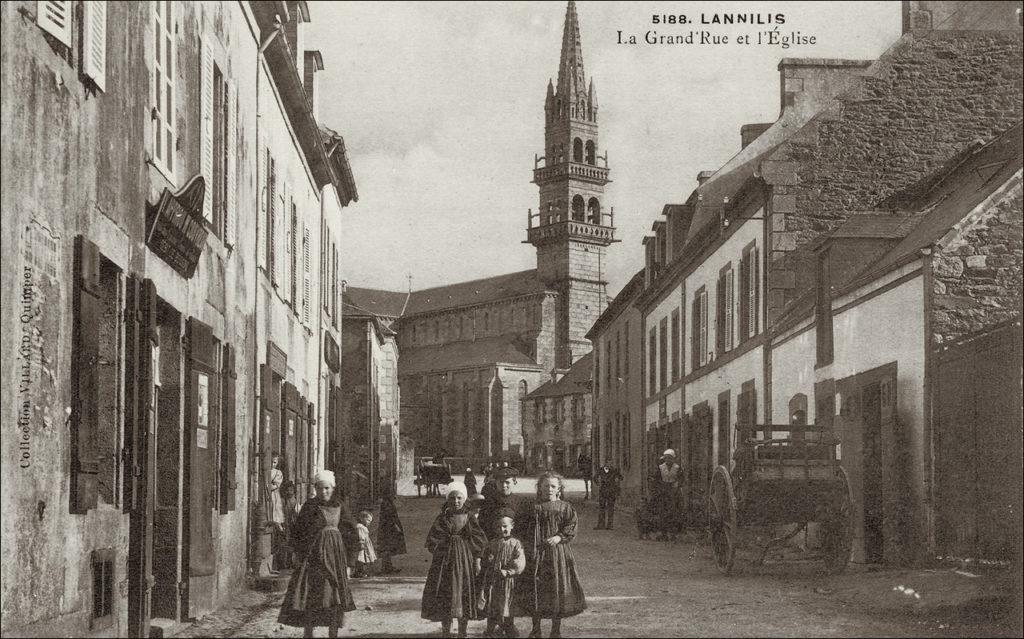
871,468
166,597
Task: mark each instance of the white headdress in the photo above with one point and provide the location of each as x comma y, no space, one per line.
324,478
668,452
458,487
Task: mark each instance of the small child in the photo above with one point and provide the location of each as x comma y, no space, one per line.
455,541
502,561
365,555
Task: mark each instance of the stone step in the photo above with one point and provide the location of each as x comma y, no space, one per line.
273,583
161,627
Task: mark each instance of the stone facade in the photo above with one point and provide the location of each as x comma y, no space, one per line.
976,270
848,159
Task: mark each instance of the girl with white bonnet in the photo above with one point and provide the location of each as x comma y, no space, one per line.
666,494
318,592
456,541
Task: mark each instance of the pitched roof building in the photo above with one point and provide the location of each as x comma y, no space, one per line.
472,351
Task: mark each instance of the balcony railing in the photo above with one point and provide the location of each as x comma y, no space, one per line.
588,172
571,229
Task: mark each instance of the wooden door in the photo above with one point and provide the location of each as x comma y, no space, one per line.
142,363
202,411
872,473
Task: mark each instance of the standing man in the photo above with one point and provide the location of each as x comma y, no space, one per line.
585,465
608,481
666,494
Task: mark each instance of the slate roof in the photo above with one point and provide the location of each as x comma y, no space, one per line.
481,352
487,289
576,380
369,301
617,304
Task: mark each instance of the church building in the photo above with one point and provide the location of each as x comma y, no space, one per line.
470,353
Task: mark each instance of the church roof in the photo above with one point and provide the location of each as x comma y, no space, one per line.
488,289
371,301
576,380
481,352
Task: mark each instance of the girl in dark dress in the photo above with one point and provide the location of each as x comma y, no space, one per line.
550,586
390,535
456,542
318,592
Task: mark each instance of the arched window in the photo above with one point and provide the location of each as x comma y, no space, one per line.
577,150
560,153
594,211
577,208
590,152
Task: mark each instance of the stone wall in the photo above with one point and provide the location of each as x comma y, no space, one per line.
922,102
977,271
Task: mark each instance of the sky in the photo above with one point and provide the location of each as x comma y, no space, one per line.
441,106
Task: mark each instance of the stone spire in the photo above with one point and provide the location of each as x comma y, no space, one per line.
571,79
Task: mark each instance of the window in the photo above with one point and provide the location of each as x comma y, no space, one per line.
653,363
663,353
723,311
699,323
618,354
675,345
608,364
823,312
271,220
217,137
293,261
102,589
94,41
577,150
165,52
597,371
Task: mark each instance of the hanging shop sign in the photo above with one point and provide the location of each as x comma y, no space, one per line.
177,230
332,354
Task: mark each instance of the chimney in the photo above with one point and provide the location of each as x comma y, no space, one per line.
750,132
704,176
927,15
294,31
313,62
808,84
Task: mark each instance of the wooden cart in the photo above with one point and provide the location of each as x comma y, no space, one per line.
795,479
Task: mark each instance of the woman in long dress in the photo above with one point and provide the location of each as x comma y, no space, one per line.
455,541
318,592
550,587
390,535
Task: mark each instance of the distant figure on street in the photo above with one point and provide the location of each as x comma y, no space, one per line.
365,555
291,510
318,593
275,510
498,498
665,494
470,480
455,542
390,535
503,560
585,466
608,481
550,586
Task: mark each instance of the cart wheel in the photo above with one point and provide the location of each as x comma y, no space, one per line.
837,528
722,519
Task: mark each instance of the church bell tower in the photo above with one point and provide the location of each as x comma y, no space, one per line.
572,226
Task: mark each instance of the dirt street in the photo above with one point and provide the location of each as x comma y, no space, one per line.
662,589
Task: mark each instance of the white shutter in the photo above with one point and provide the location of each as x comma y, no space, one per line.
305,276
261,213
206,111
54,17
94,42
231,212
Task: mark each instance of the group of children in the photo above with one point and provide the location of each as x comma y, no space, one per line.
494,575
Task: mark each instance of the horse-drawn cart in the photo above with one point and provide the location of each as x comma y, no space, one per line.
796,479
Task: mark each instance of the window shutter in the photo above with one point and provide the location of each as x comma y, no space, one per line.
306,283
272,217
695,333
54,17
228,451
232,147
720,315
94,42
729,301
263,213
754,291
744,296
704,327
85,376
206,129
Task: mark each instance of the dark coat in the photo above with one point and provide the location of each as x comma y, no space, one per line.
390,534
609,482
550,587
454,541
